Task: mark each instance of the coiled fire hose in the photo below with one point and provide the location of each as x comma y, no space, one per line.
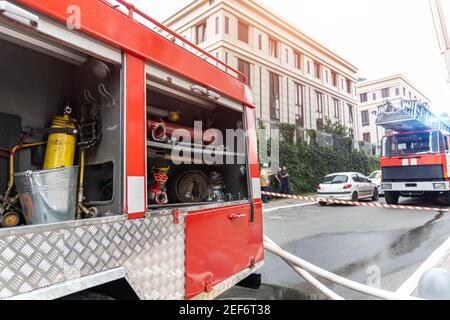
192,187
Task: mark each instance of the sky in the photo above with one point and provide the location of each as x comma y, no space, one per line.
380,37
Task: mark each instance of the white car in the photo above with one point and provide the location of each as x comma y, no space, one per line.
351,186
375,177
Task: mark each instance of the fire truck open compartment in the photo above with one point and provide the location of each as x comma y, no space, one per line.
36,86
205,176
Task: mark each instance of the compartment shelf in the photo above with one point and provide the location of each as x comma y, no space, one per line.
192,148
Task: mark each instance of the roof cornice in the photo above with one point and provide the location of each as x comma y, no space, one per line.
401,77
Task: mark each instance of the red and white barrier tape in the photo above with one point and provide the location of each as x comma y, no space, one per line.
354,203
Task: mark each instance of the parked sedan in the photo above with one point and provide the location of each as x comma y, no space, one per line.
351,186
375,178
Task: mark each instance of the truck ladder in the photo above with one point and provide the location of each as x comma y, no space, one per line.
410,115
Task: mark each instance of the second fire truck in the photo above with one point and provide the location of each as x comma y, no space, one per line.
415,158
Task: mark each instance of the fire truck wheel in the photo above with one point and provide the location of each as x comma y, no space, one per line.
391,197
447,198
376,195
355,196
322,204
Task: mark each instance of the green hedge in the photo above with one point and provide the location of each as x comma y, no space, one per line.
308,164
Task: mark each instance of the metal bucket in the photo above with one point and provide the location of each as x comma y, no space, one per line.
48,196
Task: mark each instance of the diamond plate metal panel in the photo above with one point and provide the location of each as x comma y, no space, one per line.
152,250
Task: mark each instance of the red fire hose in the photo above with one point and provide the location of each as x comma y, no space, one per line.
161,131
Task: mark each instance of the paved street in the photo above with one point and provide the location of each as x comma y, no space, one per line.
353,242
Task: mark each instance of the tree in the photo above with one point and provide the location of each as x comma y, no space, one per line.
337,129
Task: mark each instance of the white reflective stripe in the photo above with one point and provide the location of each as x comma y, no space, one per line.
414,162
448,164
405,162
136,194
256,187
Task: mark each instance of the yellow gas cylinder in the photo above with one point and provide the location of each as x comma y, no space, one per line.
61,146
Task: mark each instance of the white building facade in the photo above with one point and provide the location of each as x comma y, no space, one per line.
295,80
372,94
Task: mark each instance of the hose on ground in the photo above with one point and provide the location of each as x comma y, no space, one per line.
309,278
371,291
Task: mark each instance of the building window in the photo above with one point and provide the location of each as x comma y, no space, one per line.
200,32
227,25
287,55
350,113
342,84
385,93
299,101
217,25
274,96
317,70
365,118
374,97
326,76
366,137
211,2
245,68
243,29
334,79
273,47
363,97
404,92
397,91
319,108
308,67
337,109
298,60
349,86
260,41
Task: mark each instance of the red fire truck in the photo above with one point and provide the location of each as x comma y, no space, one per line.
415,157
98,188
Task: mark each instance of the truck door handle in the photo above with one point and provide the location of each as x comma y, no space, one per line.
235,216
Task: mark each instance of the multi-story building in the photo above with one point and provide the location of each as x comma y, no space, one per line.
295,79
374,93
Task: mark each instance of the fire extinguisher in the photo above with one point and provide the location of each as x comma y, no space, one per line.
62,141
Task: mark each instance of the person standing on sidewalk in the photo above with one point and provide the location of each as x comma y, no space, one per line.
279,179
265,181
285,187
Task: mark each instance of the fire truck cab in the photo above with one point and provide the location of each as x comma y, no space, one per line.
415,157
126,157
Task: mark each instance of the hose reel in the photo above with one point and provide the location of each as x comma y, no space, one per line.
191,187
